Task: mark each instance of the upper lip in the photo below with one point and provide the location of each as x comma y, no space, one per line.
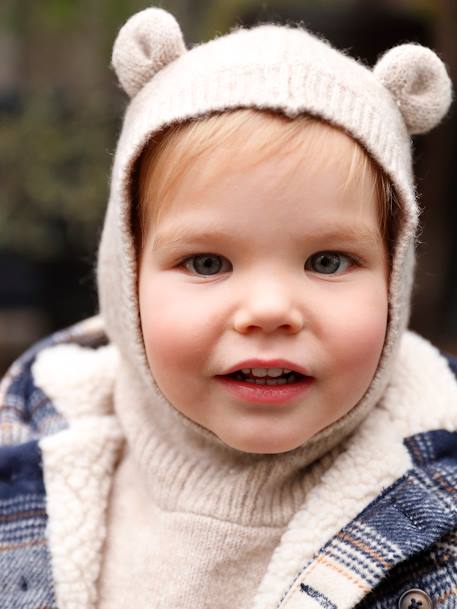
267,363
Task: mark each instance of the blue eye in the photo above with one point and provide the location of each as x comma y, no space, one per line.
206,264
328,263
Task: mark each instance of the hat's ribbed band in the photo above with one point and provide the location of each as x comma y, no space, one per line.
291,90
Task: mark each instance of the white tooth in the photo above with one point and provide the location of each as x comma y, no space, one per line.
260,381
276,381
245,370
260,372
251,381
286,370
274,372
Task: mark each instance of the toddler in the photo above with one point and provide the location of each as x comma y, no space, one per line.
247,424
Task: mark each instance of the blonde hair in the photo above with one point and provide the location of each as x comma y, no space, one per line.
171,153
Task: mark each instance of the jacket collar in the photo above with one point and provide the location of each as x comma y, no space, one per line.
405,519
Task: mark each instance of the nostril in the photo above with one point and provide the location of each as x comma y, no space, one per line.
269,326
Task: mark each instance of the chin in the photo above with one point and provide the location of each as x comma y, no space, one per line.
262,446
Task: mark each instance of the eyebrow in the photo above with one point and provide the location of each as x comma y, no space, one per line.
185,234
362,235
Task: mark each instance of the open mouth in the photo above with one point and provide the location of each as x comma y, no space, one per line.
279,378
266,386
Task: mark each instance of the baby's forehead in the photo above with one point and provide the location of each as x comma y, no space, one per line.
237,187
307,146
263,134
248,137
246,149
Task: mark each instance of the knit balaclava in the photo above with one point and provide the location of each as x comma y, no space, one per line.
290,71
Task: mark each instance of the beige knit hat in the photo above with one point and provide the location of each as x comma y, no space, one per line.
277,68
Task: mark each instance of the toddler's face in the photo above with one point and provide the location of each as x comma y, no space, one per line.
276,264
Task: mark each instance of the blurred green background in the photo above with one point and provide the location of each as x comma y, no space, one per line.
60,115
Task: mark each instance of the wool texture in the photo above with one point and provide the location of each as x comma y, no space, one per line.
219,512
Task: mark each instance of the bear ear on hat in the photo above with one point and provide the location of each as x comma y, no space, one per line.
417,79
147,42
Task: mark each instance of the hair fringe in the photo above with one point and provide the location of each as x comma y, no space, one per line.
169,155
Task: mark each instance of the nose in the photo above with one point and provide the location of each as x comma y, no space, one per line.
269,310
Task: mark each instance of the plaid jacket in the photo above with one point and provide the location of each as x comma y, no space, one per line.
399,539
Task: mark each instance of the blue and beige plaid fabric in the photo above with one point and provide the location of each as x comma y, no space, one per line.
405,539
26,415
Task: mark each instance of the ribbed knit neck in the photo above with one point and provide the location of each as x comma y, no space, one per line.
188,469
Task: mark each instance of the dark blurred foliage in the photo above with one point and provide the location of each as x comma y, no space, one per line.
60,116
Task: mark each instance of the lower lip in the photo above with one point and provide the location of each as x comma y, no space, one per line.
265,394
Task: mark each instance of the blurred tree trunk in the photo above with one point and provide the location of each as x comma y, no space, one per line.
437,249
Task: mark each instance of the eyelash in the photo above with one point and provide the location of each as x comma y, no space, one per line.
351,261
190,258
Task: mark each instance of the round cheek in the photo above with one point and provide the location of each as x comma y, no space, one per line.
175,339
356,338
162,333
